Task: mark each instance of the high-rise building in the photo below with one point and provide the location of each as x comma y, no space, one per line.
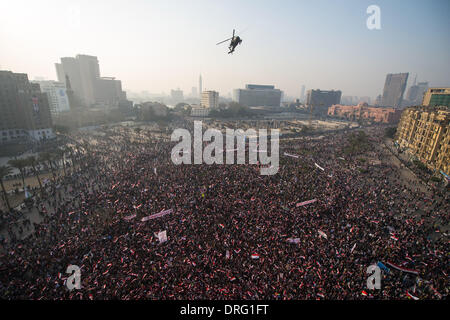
321,100
416,92
424,132
177,95
302,94
394,87
194,92
258,96
436,97
57,95
88,87
210,99
200,88
24,109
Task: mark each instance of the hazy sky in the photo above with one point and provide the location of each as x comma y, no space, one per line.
160,45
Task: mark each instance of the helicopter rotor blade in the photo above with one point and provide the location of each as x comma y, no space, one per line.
224,41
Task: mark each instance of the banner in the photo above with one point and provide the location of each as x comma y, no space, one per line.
293,240
401,268
290,155
304,203
322,234
162,236
157,215
319,167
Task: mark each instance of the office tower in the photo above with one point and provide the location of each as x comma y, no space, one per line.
24,109
436,97
394,87
302,95
194,92
321,100
200,88
210,99
416,92
177,95
57,95
88,87
258,96
108,92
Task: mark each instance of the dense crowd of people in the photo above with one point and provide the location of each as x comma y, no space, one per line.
232,233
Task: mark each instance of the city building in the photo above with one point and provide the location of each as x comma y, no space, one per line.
302,94
194,92
258,96
436,97
108,92
199,111
321,100
424,133
89,89
364,111
416,92
24,110
210,99
177,95
200,88
57,95
394,87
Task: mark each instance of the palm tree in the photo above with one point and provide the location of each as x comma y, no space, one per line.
59,155
19,164
33,162
47,157
4,171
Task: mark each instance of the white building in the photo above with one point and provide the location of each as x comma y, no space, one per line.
198,111
57,96
210,99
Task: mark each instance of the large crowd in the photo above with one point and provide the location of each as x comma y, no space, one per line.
232,233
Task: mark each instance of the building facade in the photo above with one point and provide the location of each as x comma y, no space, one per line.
177,95
258,96
436,97
57,96
416,93
198,111
89,89
394,88
24,110
424,133
321,100
210,99
364,111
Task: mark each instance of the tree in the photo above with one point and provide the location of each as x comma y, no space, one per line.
59,155
4,171
19,164
47,157
33,162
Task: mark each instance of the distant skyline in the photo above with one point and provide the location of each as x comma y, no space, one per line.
157,46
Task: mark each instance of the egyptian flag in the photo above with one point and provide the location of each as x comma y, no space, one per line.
255,256
410,296
401,268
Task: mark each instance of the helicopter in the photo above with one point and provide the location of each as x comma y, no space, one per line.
235,41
